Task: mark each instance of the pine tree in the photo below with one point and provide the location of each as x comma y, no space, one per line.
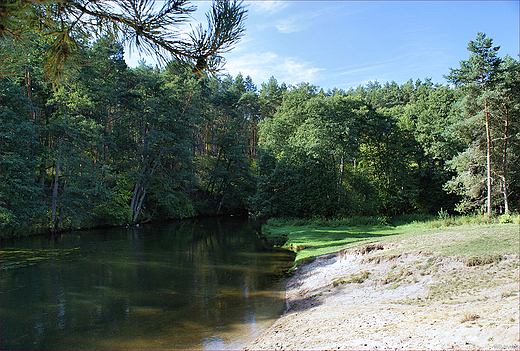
65,25
479,74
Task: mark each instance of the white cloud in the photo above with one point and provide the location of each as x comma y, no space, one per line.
352,71
304,19
261,67
267,7
291,24
299,71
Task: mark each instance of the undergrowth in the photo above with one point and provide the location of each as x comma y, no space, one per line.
443,219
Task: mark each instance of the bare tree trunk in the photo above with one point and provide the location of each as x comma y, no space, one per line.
105,148
504,164
140,204
134,197
137,199
488,159
140,190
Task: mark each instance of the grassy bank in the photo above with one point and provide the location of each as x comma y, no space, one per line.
473,237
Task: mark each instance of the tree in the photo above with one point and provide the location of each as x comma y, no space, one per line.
503,105
270,98
21,199
310,149
64,25
428,118
224,170
96,145
477,76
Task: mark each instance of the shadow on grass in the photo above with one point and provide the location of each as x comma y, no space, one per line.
324,238
312,243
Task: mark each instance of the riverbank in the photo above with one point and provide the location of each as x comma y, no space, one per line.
398,295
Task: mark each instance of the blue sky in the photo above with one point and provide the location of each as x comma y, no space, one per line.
342,44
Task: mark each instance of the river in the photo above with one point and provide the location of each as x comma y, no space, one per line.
193,284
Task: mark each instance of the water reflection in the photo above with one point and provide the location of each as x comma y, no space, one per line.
202,284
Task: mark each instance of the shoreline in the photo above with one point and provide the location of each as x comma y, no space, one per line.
363,299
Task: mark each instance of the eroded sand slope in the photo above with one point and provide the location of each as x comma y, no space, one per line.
372,299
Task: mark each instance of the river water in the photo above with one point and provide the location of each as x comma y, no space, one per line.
194,284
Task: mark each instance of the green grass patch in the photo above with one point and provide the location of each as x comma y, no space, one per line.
477,238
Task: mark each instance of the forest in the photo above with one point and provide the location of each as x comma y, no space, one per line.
118,146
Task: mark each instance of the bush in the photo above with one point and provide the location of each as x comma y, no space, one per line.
453,221
505,218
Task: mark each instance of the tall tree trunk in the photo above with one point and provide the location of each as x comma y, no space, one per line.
105,147
28,85
504,162
488,159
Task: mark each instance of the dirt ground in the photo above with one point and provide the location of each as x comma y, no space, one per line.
372,299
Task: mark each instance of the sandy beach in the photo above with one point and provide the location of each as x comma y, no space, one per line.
371,298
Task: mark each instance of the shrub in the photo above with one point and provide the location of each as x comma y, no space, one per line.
505,218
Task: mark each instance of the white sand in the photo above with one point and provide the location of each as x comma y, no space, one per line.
409,302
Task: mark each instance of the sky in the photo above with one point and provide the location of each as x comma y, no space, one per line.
344,44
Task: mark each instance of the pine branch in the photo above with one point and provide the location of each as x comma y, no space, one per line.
154,32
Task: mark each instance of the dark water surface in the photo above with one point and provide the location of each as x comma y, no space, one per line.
198,284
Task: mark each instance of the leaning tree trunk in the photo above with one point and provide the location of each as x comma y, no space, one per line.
137,200
140,189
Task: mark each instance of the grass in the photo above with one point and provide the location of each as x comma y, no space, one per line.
478,239
469,317
482,260
482,246
356,278
471,280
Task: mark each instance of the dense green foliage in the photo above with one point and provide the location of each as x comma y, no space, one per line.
391,150
118,146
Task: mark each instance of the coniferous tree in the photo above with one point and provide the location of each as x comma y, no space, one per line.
477,76
64,25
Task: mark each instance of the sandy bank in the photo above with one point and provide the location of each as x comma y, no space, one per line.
373,299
